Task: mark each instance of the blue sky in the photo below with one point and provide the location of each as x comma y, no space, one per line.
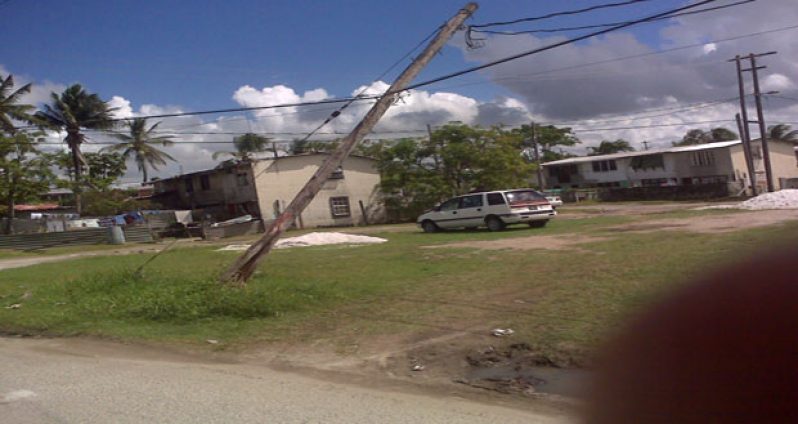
149,57
197,53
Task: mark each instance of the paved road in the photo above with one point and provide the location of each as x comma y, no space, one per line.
49,381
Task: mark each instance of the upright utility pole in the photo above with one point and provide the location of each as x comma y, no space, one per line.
749,160
245,265
537,156
745,134
760,117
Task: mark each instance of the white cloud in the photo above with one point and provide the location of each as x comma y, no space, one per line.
777,82
122,106
709,48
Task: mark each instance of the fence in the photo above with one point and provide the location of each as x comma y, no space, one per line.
682,192
34,241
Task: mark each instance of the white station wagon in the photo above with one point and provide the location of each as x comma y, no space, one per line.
494,209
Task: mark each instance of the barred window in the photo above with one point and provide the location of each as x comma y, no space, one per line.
339,206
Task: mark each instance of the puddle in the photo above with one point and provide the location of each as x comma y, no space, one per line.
519,369
567,382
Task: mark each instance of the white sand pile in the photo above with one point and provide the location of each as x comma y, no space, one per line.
783,199
315,239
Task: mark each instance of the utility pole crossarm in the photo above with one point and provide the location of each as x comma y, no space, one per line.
244,266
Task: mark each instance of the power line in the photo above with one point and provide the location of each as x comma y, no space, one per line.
622,58
651,126
550,47
555,14
576,28
337,112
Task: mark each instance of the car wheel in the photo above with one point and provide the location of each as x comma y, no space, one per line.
429,226
539,224
494,223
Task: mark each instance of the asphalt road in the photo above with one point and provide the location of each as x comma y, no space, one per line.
52,381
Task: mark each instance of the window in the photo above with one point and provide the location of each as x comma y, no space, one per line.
524,196
450,204
702,158
641,163
495,199
604,166
242,180
205,182
338,174
189,185
474,201
339,206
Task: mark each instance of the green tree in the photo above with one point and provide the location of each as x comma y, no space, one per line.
104,169
607,147
697,136
72,111
783,132
10,108
24,172
455,160
245,146
549,138
139,144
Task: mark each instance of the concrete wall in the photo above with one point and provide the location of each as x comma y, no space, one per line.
723,165
279,180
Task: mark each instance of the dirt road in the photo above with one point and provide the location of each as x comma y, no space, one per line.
49,381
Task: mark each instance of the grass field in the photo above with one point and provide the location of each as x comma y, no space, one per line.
560,301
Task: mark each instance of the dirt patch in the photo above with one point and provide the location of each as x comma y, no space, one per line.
713,223
555,242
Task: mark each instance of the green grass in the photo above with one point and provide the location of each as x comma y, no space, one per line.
561,302
65,250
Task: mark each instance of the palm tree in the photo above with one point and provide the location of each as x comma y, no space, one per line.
783,132
607,147
140,144
72,111
10,108
245,146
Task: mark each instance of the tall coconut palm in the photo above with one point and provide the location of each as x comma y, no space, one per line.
10,108
783,132
72,111
245,146
140,143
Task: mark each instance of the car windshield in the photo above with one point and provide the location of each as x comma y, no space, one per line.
522,196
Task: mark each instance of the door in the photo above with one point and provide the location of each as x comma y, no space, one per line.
447,215
471,211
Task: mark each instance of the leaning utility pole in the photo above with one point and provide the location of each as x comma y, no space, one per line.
745,132
245,265
760,117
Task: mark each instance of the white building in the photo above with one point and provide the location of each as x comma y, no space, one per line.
721,162
263,188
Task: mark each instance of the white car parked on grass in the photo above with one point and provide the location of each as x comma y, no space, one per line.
556,201
494,209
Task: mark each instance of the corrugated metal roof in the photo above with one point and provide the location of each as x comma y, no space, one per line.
583,159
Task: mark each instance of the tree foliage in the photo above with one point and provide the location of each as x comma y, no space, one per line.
24,172
245,146
697,136
10,107
607,147
455,160
783,132
104,170
549,138
139,144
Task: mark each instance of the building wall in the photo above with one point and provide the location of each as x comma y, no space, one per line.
722,166
225,197
279,180
783,163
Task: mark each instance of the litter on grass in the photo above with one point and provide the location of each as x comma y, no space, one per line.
782,199
315,239
499,332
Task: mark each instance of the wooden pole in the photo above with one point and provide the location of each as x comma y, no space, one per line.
243,268
763,134
749,159
541,183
